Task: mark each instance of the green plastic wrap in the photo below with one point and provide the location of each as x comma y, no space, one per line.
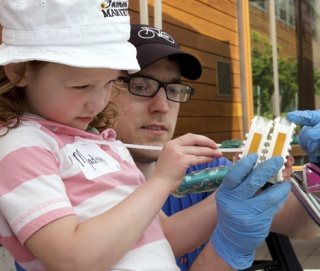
205,180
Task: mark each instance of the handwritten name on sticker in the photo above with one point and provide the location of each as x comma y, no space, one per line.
92,160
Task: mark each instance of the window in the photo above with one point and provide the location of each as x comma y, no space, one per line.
261,4
285,11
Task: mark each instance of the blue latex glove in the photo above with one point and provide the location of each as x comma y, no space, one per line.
309,135
244,218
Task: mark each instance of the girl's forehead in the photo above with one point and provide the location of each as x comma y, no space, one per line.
70,72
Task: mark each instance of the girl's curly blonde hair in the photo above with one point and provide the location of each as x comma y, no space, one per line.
12,98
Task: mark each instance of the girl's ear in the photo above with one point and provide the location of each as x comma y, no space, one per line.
12,72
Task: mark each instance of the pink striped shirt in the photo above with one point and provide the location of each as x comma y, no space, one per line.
49,171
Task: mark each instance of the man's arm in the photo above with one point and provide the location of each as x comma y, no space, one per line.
244,218
209,260
293,213
293,220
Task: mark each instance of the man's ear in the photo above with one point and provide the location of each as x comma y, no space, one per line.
12,72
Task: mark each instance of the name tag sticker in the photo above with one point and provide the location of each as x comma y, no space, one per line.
123,153
92,160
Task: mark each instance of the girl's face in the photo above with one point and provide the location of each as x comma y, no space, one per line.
68,95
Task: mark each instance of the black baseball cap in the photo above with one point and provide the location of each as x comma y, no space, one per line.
153,44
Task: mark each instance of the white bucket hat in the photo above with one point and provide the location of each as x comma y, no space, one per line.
79,33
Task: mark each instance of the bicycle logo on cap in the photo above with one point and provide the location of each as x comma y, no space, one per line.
150,32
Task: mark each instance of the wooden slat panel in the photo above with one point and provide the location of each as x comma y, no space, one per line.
224,6
219,137
208,125
209,92
297,151
286,35
208,59
199,25
209,76
210,109
259,21
197,41
207,13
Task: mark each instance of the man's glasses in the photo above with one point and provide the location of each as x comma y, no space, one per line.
147,87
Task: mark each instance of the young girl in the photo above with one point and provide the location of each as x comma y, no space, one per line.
71,197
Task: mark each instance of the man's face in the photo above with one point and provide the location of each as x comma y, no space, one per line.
148,120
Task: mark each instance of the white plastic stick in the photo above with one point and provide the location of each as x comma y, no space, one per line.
230,149
158,148
145,147
134,146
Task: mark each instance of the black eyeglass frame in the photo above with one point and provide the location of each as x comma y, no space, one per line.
161,84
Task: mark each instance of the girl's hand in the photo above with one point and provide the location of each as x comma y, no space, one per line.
286,173
179,154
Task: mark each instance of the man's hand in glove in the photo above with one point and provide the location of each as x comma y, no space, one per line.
244,217
309,135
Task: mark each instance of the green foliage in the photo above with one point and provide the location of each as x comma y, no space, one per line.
268,116
316,81
262,75
288,75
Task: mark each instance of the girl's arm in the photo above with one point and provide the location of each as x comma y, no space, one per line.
188,229
100,242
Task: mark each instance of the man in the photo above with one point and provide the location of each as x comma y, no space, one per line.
152,120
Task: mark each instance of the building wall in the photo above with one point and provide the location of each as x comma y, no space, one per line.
286,35
209,30
296,43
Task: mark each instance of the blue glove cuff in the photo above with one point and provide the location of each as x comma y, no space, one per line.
234,259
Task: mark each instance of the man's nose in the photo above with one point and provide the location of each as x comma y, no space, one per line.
160,101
